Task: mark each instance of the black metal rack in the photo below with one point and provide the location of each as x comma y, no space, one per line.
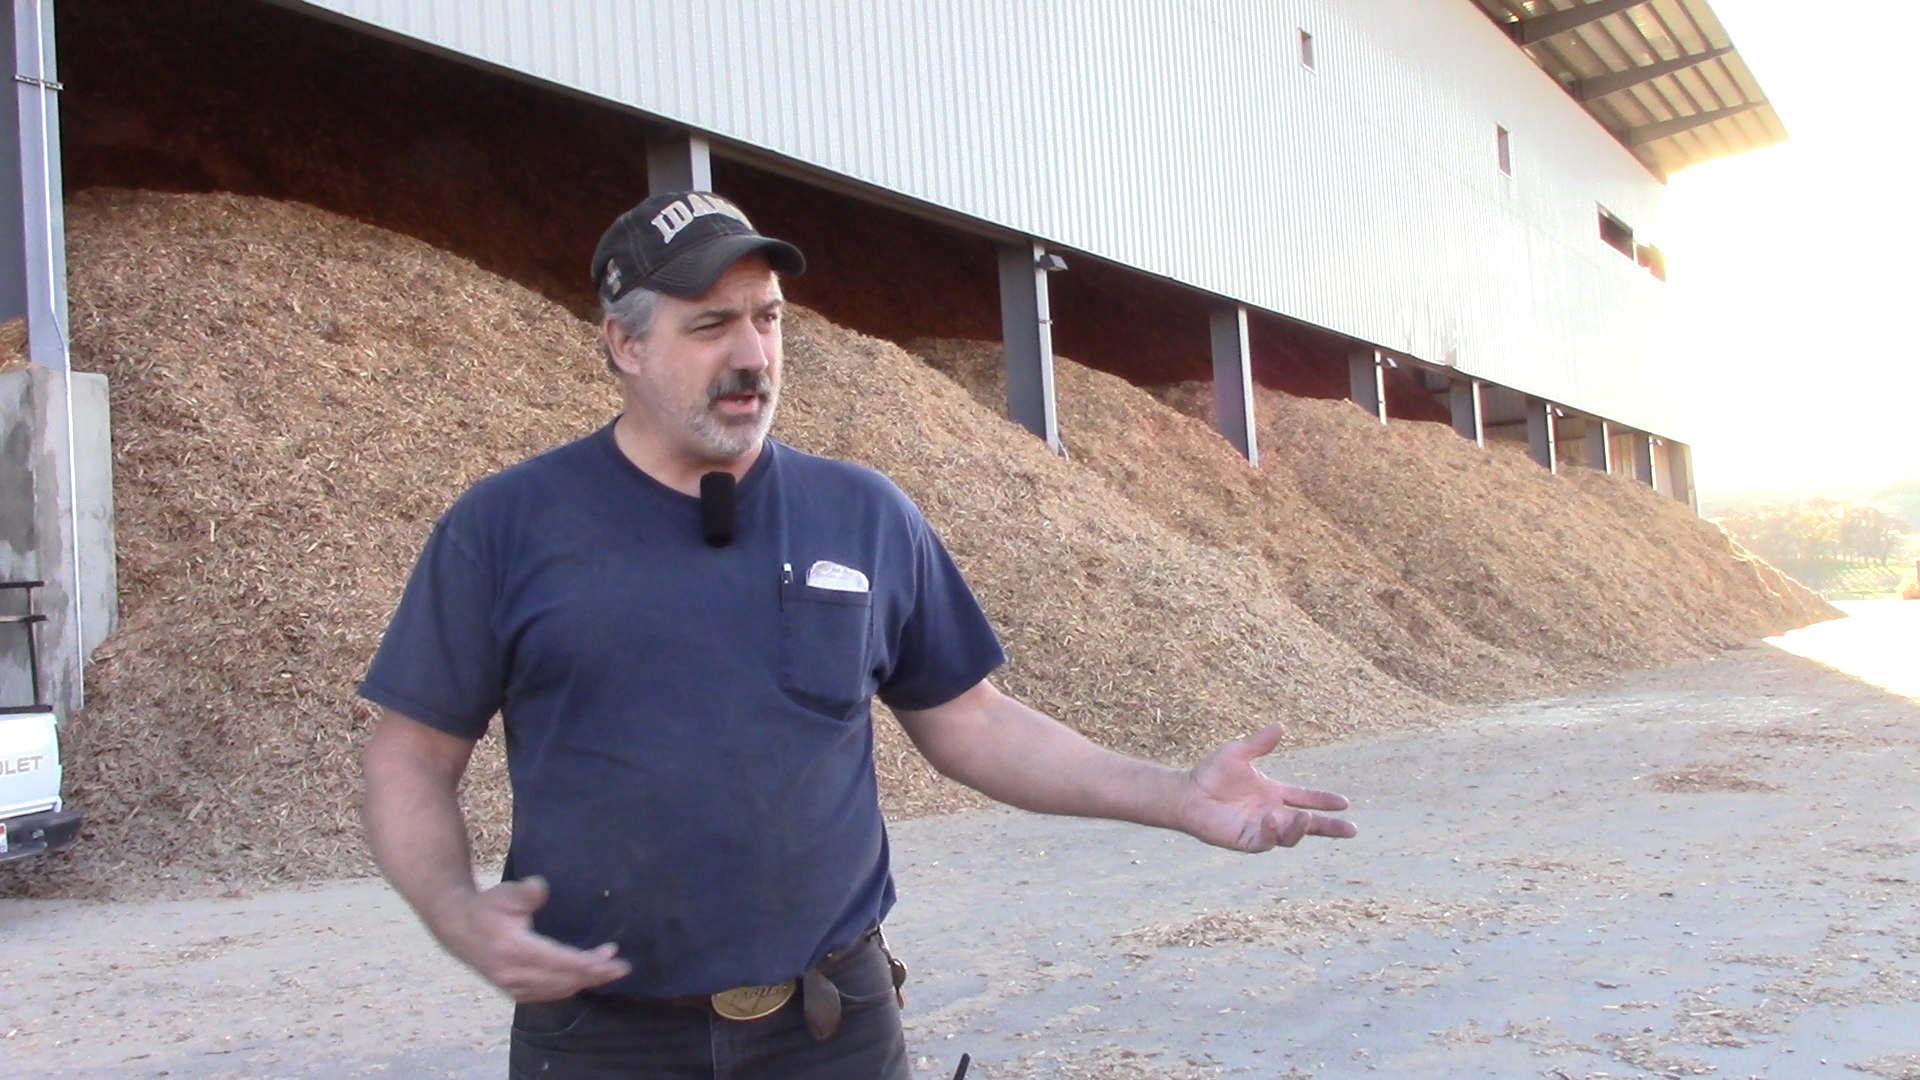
26,621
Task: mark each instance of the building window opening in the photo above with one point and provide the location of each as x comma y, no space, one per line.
1617,234
1306,50
1503,142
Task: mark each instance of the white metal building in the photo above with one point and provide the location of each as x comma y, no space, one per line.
1459,188
1426,176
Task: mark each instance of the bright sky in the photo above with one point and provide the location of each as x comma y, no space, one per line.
1791,270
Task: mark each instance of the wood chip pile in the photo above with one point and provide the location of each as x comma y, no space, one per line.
1468,574
1587,572
297,396
1175,467
13,345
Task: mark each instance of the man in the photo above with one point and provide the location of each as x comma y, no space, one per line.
698,867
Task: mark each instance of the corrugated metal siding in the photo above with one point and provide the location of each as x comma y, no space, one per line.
1182,137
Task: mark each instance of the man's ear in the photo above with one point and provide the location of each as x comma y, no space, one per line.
624,351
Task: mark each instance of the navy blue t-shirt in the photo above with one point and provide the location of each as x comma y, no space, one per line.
687,727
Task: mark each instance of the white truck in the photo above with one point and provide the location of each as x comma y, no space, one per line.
32,817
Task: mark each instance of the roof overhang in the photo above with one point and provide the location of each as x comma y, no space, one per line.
1661,75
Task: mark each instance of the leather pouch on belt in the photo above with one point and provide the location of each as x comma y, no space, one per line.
820,1000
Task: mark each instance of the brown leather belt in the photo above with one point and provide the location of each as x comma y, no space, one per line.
819,997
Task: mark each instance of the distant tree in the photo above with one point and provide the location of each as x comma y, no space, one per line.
1819,529
1819,522
1868,533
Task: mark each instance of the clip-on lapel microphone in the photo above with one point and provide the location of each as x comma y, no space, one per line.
717,508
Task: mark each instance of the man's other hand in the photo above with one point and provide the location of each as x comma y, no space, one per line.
492,932
1231,804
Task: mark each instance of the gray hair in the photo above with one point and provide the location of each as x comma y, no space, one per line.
634,311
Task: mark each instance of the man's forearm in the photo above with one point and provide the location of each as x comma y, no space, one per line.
1019,756
419,836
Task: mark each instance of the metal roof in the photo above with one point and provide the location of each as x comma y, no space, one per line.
1661,75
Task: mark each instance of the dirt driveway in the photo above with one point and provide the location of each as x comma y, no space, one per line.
1708,870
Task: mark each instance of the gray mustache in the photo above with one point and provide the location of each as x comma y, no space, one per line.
740,382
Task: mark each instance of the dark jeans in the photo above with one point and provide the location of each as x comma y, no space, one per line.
588,1037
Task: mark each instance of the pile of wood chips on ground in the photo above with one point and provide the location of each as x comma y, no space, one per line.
1467,574
297,396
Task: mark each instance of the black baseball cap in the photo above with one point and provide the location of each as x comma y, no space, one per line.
679,243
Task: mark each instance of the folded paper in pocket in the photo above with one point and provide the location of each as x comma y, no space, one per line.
831,575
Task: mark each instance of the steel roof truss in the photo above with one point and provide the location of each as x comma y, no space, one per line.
1599,43
1722,85
1698,39
1666,129
1541,27
1647,71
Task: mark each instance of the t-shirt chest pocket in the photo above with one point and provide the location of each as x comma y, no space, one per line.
824,635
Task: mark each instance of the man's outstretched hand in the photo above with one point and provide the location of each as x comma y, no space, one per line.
1231,804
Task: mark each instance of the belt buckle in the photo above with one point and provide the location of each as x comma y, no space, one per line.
752,1002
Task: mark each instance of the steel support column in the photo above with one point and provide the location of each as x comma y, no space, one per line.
33,252
1026,327
1642,457
1367,381
1469,420
1541,434
1233,380
33,276
17,256
678,160
1599,445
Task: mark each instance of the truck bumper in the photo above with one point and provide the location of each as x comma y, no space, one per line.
32,834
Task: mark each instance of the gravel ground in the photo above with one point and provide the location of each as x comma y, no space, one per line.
1704,870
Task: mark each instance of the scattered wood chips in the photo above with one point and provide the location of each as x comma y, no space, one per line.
13,345
1296,925
1711,776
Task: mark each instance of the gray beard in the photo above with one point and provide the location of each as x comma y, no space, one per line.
728,440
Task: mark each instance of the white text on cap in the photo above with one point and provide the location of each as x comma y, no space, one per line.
681,212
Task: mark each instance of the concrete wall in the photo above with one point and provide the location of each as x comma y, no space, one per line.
39,517
1622,453
19,529
1673,471
1680,461
1570,446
